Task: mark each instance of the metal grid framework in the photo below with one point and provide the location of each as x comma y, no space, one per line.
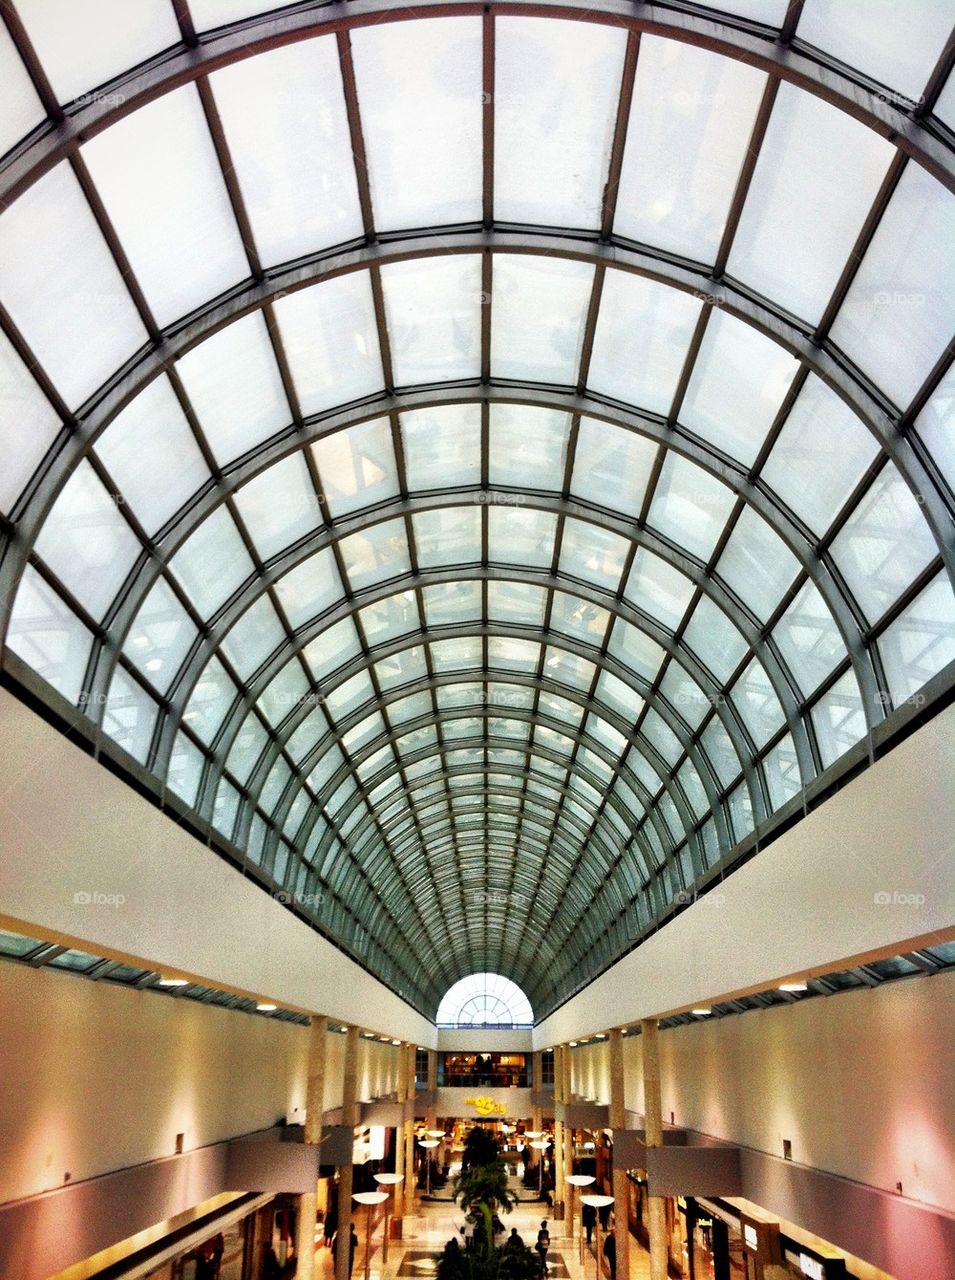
484,999
488,470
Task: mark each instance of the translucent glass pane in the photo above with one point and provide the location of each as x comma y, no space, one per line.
419,93
809,639
157,174
657,589
256,634
390,618
279,506
590,552
641,340
310,588
215,542
817,175
150,438
463,654
714,639
330,337
528,445
285,122
72,287
757,564
20,106
233,382
518,535
28,424
516,602
619,697
86,541
246,748
161,635
348,697
433,312
332,649
900,311
569,669
48,636
285,692
839,719
566,74
756,701
685,695
921,641
819,456
635,650
449,535
401,668
579,618
451,602
935,427
611,466
357,466
691,119
129,715
737,388
690,506
209,701
538,311
720,751
442,447
375,554
885,543
509,654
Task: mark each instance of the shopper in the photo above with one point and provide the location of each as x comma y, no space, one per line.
610,1253
543,1244
589,1219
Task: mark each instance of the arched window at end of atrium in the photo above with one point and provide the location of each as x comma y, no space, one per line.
485,1000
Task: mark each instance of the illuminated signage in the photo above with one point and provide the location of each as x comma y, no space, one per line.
811,1267
487,1106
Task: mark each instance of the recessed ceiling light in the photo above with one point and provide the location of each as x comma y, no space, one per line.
266,1008
794,986
703,1013
174,982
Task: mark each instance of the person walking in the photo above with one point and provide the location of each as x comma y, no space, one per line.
589,1218
610,1253
543,1244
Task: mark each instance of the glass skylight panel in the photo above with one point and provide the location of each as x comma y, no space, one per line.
538,313
20,106
685,695
331,649
48,636
129,715
839,719
620,697
505,653
714,639
151,437
330,336
215,542
516,602
579,618
661,736
556,82
451,602
420,98
158,176
520,535
935,427
944,108
898,46
226,808
657,589
442,446
461,654
605,734
370,728
691,119
528,443
233,383
611,466
386,620
885,543
818,172
591,552
348,697
376,553
285,692
328,765
409,708
86,541
83,43
757,564
185,769
433,312
357,466
641,340
819,456
514,696
739,383
246,748
692,784
569,669
448,535
757,702
690,506
209,701
274,785
28,424
161,635
256,634
809,639
900,311
279,506
401,668
287,129
920,642
310,588
72,287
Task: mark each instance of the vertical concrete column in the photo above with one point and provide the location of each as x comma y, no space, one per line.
621,1192
537,1087
653,1125
409,1052
314,1110
399,1194
560,1052
347,1171
568,1153
431,1114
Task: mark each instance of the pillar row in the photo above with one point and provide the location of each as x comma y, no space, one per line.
618,1118
653,1126
347,1171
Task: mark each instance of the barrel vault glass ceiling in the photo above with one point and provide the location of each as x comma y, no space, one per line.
483,467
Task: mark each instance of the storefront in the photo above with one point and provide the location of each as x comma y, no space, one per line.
719,1242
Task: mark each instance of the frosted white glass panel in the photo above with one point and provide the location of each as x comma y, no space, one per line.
737,388
212,562
538,312
389,618
641,340
714,639
809,640
357,466
555,103
819,456
185,768
839,719
757,564
48,636
86,541
28,424
691,119
375,554
331,341
596,554
160,636
685,695
419,94
433,311
817,175
921,641
285,122
279,506
658,589
516,602
332,649
612,466
569,669
59,282
900,311
518,535
83,43
528,446
450,535
157,174
720,751
451,602
401,668
256,634
285,692
755,699
894,44
505,653
884,544
944,108
209,701
935,427
636,650
620,697
129,715
579,618
20,106
442,446
781,768
309,588
770,12
151,438
690,506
